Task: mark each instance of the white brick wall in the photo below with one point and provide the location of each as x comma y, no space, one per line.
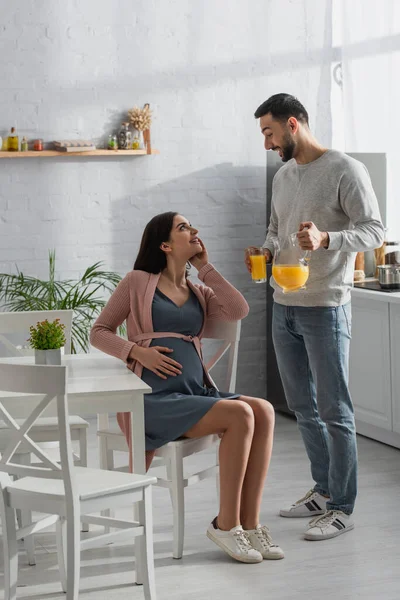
73,68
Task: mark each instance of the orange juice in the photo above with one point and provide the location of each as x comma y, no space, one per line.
290,277
258,268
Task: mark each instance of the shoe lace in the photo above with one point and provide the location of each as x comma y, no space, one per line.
325,519
242,539
304,498
264,536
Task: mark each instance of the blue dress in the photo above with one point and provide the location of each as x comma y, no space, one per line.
177,403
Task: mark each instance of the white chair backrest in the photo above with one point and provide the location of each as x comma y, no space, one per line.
44,386
20,322
228,332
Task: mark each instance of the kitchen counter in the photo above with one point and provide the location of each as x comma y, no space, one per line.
392,297
374,364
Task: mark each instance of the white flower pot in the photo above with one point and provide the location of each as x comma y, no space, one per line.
48,357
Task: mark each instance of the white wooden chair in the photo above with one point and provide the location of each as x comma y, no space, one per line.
64,492
45,430
172,454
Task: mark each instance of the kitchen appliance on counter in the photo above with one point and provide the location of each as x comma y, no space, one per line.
373,285
392,253
389,277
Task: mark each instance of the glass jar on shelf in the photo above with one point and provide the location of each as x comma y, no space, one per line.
38,145
124,137
137,140
112,143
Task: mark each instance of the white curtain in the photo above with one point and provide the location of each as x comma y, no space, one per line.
371,86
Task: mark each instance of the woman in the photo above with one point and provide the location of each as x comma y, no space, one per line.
166,315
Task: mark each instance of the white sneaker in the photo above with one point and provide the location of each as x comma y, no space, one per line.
329,525
310,505
260,539
234,542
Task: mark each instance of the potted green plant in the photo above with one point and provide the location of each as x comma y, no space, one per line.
47,339
21,293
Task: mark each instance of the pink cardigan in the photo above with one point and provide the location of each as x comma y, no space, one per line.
132,302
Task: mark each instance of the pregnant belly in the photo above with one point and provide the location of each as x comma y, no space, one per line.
191,379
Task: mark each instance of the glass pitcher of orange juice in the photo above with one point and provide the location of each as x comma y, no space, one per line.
290,268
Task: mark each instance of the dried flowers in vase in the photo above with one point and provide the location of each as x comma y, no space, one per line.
140,118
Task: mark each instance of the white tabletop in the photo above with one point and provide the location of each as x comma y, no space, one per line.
95,374
97,384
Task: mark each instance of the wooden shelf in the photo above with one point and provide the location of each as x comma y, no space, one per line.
100,152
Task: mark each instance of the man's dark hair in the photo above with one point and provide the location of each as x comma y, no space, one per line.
282,107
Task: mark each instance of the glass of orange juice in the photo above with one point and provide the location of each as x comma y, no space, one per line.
258,265
290,268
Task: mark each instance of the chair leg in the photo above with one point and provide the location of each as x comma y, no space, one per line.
107,463
83,462
138,515
177,492
73,552
29,541
18,511
25,518
10,549
61,536
145,545
106,455
83,447
19,518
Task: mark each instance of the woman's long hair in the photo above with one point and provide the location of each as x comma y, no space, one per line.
150,257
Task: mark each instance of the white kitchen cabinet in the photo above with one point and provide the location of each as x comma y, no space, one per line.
395,363
370,362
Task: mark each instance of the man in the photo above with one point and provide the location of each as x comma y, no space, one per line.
326,197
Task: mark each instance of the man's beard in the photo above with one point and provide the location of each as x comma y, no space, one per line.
287,148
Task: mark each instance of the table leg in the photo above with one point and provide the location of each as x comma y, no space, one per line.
139,466
137,438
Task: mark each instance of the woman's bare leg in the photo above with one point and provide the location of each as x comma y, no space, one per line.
235,420
258,463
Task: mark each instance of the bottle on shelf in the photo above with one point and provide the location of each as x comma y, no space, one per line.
13,141
24,144
124,137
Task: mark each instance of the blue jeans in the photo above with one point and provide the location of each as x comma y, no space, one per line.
312,350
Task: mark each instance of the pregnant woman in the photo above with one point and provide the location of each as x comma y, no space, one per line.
166,315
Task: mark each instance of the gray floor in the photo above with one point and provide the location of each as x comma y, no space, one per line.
360,564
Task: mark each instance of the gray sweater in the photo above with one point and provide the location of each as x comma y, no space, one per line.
335,192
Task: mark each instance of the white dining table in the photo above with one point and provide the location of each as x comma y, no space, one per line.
96,384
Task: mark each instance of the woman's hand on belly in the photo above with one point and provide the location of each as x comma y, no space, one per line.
154,360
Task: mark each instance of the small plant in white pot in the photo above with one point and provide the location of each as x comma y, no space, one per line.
47,339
